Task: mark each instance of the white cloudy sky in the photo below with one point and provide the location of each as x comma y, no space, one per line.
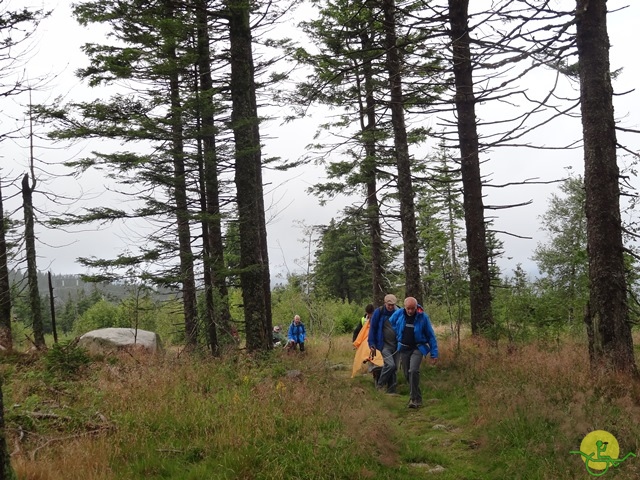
57,54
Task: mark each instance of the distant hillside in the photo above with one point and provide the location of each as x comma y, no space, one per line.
65,286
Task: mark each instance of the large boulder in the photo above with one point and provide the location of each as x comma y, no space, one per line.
108,339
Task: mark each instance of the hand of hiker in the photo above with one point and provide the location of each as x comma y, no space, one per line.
372,352
433,361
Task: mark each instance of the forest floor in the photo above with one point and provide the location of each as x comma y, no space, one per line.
491,411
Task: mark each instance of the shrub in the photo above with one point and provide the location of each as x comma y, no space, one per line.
66,358
346,321
100,315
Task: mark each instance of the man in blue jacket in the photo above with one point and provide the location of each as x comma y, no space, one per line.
382,337
416,339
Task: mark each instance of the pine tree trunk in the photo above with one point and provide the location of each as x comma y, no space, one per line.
479,278
5,287
369,129
254,262
413,285
32,268
216,293
52,309
608,313
187,275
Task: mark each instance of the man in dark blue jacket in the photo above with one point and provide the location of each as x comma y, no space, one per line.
382,337
416,339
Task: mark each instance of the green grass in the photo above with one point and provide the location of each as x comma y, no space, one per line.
489,413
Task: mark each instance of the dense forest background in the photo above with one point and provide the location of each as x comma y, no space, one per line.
417,97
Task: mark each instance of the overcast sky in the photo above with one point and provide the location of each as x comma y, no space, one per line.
57,54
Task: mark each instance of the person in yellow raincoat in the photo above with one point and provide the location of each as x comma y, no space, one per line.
368,311
362,361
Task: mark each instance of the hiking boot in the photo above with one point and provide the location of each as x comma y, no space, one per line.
412,404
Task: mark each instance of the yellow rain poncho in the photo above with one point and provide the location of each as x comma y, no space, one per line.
361,360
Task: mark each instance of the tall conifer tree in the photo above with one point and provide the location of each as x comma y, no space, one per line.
479,277
607,316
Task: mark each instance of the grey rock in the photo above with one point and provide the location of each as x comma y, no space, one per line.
428,468
108,339
338,367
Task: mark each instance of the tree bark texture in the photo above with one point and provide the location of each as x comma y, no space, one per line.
413,285
369,129
254,262
187,275
52,309
608,312
479,278
32,268
216,293
5,287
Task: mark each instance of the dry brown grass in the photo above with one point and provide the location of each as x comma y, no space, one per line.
536,388
75,459
160,410
135,407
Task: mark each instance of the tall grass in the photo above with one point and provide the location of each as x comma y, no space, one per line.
491,412
281,416
534,404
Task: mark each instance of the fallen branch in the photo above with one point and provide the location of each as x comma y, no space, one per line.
46,415
19,439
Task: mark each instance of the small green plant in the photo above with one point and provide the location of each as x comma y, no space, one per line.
66,358
346,322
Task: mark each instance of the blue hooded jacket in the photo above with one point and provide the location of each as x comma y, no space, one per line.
425,336
297,333
380,314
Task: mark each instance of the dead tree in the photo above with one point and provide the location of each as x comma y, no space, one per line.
32,268
5,288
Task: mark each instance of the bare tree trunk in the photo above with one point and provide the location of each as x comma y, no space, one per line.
369,129
254,262
187,275
182,217
32,269
209,307
52,307
218,314
608,312
413,285
375,231
479,278
5,287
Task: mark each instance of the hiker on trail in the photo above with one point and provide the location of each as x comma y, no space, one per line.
368,311
277,337
296,335
416,339
383,337
363,362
